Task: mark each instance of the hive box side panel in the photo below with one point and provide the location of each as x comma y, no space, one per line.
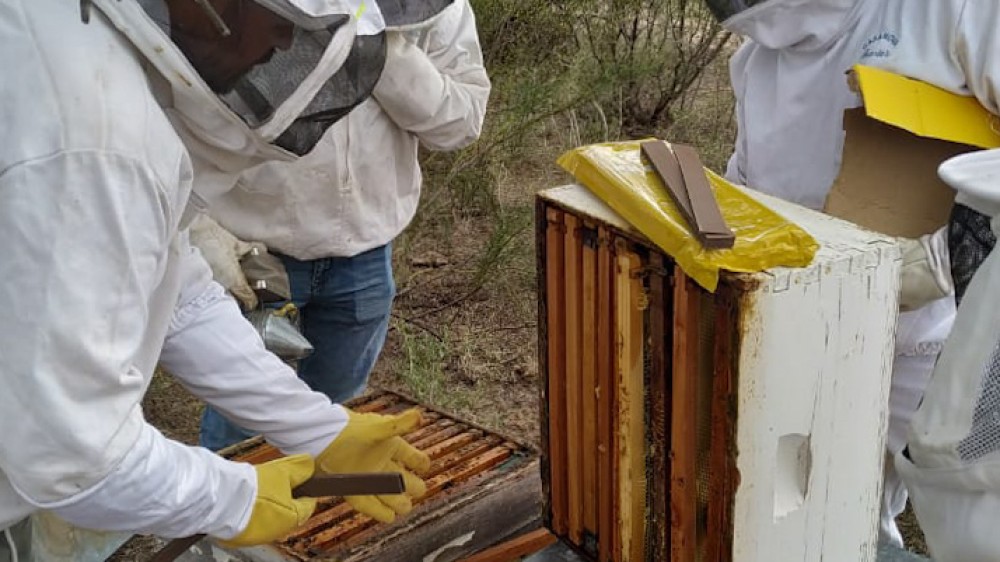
814,371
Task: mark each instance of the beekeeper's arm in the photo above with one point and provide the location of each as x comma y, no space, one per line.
220,358
81,266
218,355
438,94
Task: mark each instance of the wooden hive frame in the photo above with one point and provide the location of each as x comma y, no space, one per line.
482,488
600,471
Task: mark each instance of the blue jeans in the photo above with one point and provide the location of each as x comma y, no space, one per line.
344,306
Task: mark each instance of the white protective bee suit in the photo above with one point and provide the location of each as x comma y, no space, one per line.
952,462
100,283
791,92
359,188
952,465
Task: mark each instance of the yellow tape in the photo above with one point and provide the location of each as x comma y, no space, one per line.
616,173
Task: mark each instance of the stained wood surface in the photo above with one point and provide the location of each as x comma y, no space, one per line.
606,393
556,369
589,382
684,457
723,477
658,433
574,377
629,304
505,508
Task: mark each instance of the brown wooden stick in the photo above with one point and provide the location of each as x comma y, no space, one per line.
515,549
666,166
682,173
712,228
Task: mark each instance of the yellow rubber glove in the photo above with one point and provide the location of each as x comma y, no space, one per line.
374,443
275,512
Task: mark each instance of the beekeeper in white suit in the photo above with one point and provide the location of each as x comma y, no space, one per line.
791,92
108,125
952,462
332,215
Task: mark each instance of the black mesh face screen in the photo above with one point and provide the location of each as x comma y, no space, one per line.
970,240
350,86
725,9
259,92
402,13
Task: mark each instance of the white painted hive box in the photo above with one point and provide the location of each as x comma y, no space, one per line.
746,425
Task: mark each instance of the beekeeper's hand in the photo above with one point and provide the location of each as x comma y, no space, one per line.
926,274
374,443
411,88
223,251
275,512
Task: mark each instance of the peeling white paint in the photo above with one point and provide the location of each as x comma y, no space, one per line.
459,542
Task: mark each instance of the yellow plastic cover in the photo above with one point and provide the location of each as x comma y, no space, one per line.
926,110
616,173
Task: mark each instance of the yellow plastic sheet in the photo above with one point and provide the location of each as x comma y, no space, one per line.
926,110
764,239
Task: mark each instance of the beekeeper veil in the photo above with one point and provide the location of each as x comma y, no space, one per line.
363,68
952,465
248,80
803,25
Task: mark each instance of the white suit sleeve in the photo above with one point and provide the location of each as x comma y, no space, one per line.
439,94
977,50
218,355
954,45
87,242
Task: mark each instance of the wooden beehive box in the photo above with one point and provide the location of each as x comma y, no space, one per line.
746,425
482,488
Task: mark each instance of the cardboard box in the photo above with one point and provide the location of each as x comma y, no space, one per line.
888,179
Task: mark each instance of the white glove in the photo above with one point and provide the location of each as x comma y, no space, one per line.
223,252
926,274
411,87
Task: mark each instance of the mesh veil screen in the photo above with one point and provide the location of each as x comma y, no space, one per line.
984,439
350,86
